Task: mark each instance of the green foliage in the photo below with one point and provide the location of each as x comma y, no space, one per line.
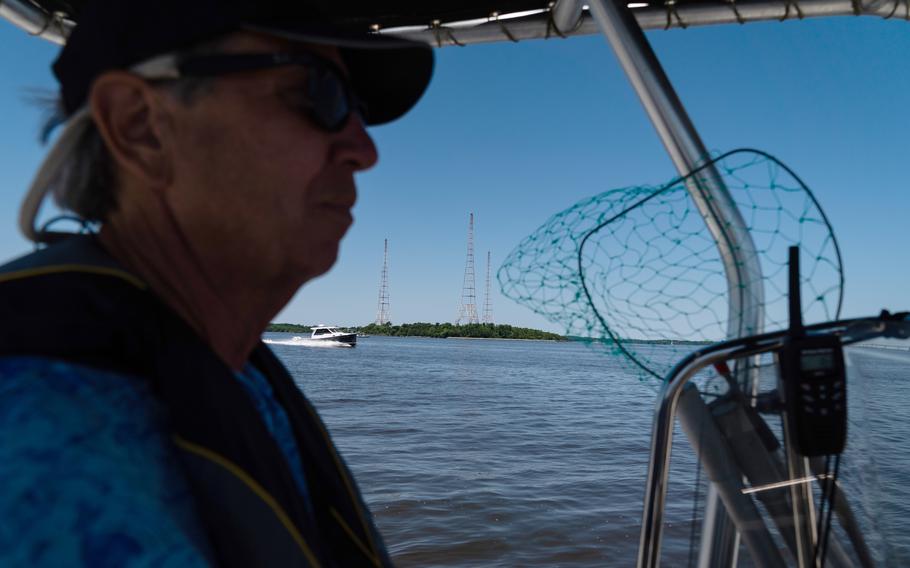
488,331
474,330
288,328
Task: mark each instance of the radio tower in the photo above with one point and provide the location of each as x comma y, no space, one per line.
382,315
468,311
487,306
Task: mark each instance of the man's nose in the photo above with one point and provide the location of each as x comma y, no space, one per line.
356,147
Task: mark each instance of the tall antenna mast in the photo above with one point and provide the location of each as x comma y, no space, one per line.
468,311
382,315
487,306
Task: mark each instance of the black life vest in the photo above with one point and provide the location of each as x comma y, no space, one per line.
71,301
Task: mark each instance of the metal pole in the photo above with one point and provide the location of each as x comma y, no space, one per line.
655,16
35,21
662,442
708,191
676,131
801,502
851,331
719,543
720,464
567,15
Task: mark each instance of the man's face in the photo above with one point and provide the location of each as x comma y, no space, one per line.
255,181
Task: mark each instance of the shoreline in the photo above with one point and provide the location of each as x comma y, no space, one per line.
435,330
450,337
493,338
673,343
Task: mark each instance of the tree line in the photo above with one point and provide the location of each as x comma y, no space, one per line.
289,327
441,330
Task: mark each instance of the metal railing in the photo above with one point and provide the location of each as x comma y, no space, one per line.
849,331
29,17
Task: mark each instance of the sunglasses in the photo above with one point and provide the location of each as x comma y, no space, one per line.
330,99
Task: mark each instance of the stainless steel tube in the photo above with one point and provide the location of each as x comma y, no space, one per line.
657,16
720,464
33,20
678,134
567,15
708,191
850,331
661,443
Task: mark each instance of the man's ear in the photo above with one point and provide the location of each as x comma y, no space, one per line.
127,113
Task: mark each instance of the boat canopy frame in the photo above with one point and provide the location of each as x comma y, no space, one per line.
669,405
454,23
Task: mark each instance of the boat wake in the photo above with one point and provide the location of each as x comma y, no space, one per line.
305,342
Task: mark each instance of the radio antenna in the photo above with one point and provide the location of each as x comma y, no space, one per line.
795,300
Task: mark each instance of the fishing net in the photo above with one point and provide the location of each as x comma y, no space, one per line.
637,266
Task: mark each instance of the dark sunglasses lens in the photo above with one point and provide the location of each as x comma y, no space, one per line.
329,97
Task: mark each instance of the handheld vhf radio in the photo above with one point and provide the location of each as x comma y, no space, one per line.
813,380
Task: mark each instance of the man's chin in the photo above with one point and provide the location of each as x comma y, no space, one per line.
319,263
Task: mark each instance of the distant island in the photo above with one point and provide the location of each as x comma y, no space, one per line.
289,328
475,330
440,330
471,330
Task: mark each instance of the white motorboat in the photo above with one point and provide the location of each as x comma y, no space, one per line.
333,334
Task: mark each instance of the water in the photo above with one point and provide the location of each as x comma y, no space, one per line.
515,453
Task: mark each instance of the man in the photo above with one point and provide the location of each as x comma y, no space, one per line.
142,421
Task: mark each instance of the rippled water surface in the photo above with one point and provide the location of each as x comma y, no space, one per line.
525,453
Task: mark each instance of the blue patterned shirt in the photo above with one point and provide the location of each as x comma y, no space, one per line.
277,423
88,475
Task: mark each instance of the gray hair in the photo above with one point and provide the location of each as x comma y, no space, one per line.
86,185
87,181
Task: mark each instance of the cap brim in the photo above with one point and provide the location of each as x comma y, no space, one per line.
389,75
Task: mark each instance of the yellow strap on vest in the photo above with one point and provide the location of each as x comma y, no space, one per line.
347,483
254,486
63,268
363,548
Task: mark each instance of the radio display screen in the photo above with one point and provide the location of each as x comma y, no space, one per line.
817,360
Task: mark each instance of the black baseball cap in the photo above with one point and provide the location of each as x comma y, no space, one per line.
389,75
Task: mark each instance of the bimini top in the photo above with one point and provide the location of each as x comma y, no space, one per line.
460,22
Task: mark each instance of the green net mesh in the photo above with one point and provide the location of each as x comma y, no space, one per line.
637,266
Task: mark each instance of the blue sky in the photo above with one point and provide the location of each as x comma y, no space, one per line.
518,132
